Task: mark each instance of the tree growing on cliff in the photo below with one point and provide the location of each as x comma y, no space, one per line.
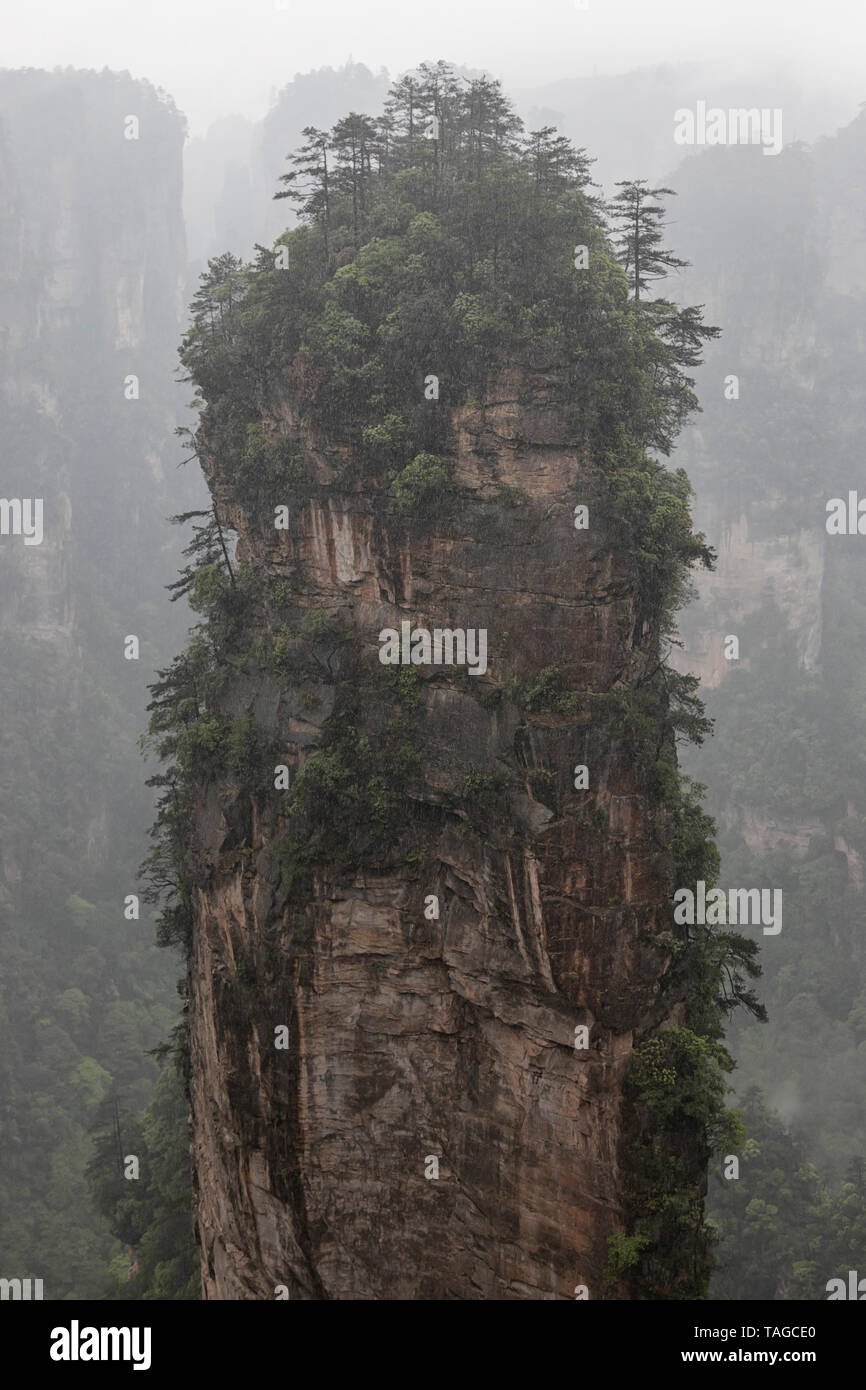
640,222
308,183
554,164
353,140
670,337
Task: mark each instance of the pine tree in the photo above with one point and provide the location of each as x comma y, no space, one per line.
640,222
353,140
405,109
308,184
440,100
490,123
221,287
207,547
672,337
554,163
383,146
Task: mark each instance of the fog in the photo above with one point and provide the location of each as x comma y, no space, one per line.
217,57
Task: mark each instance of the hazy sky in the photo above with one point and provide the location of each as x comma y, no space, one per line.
216,56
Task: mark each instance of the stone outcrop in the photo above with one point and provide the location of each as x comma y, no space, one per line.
413,1037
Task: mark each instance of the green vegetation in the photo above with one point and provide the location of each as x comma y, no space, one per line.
623,1254
788,746
483,798
543,692
150,1214
425,486
782,1231
677,1079
677,1084
349,804
412,262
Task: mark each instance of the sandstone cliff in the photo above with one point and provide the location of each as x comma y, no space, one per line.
412,1037
444,1040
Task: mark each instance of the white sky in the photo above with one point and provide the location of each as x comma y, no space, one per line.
221,56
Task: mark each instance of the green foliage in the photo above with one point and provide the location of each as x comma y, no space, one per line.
390,440
192,736
677,1086
694,848
412,258
349,803
425,487
484,797
782,1230
402,683
624,1253
640,222
151,1215
678,1076
272,464
306,648
543,692
653,502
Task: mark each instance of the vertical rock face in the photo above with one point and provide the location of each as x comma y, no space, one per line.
431,996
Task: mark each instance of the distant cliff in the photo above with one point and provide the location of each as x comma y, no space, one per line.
778,257
91,265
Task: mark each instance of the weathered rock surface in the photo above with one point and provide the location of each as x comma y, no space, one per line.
452,1038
